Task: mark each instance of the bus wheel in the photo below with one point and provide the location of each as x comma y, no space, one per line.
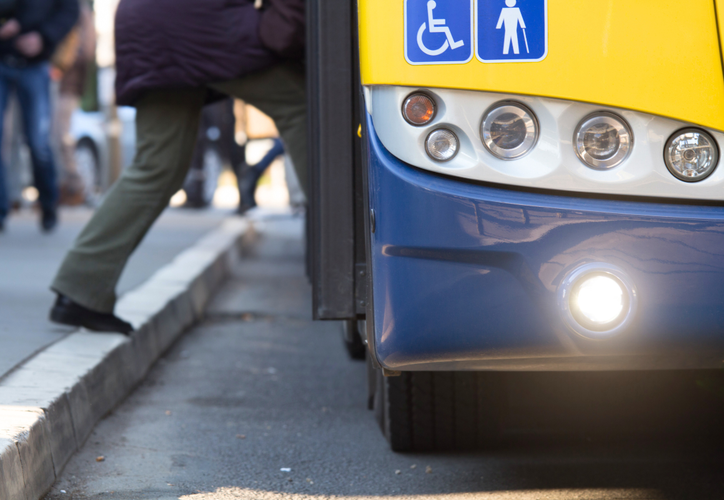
432,411
352,340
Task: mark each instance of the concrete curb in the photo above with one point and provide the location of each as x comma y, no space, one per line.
50,404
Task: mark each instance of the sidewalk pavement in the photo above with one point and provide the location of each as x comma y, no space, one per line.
56,383
29,260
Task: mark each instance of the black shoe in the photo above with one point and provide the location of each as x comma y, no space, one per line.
242,209
2,226
49,220
67,312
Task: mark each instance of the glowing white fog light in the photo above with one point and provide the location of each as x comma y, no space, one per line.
600,299
597,300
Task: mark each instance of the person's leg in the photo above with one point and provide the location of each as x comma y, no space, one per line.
5,87
241,170
33,87
250,177
166,126
280,93
277,149
18,173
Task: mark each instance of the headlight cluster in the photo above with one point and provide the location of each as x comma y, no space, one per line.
603,140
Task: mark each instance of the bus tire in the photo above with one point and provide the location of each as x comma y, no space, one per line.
436,411
398,412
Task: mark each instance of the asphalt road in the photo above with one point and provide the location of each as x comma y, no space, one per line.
259,402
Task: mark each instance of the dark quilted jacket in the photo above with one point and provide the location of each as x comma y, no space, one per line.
171,44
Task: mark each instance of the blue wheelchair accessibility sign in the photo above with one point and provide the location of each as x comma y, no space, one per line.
438,31
511,30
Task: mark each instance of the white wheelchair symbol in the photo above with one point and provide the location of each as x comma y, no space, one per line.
436,26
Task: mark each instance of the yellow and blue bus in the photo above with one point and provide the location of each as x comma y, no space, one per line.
514,185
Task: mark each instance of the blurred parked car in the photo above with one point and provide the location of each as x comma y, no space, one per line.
90,130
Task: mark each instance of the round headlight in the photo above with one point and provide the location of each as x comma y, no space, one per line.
691,154
603,140
442,144
509,130
418,109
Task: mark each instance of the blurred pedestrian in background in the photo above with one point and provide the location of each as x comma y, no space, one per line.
215,147
248,175
172,57
72,60
252,126
28,38
222,140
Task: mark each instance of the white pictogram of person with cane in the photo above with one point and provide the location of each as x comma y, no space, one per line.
510,16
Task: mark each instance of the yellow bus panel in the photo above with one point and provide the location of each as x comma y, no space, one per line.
654,56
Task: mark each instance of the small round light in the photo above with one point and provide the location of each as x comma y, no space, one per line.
691,155
442,144
418,109
509,130
603,140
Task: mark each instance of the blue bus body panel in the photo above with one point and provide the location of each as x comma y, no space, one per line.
465,276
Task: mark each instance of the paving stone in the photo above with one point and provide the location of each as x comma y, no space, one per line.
185,313
176,273
62,434
28,427
12,485
81,412
50,372
148,301
38,397
84,343
144,345
199,295
167,325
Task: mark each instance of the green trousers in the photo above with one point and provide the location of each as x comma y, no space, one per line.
166,126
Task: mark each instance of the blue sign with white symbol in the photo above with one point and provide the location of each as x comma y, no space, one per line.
511,30
438,31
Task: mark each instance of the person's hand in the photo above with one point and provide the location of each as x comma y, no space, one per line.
55,74
10,29
29,44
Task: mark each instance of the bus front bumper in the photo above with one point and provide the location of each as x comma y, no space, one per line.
469,277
